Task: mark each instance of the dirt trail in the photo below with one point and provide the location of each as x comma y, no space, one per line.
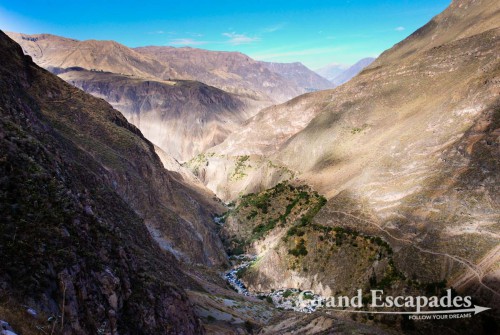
473,270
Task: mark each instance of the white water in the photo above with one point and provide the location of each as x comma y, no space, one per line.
287,298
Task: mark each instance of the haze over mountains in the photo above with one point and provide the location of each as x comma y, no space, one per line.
388,182
300,75
341,73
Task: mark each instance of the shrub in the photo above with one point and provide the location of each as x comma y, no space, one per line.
300,249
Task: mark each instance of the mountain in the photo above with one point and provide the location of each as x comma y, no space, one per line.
407,151
332,70
133,84
300,75
352,71
79,188
97,237
182,117
50,51
341,73
230,71
132,167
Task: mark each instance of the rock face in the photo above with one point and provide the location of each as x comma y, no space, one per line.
183,118
231,71
407,150
77,183
300,75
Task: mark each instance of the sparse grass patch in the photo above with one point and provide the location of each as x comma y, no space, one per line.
239,168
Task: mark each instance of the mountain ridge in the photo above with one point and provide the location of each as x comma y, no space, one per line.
231,71
299,74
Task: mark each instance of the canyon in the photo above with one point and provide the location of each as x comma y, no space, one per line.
185,191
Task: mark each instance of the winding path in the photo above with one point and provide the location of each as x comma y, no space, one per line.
471,267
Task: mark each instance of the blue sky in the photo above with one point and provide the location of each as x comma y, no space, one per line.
314,32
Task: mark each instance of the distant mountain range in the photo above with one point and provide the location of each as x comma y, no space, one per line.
300,75
339,74
163,89
332,70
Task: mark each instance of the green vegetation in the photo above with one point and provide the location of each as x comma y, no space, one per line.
198,161
241,272
262,229
308,296
356,130
300,249
239,168
391,275
256,215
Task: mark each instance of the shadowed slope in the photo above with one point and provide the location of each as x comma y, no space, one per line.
73,240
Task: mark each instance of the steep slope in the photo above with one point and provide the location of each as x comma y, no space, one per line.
231,71
50,51
74,245
406,150
184,118
134,170
300,75
352,71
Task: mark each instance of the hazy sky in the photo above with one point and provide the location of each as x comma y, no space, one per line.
312,32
